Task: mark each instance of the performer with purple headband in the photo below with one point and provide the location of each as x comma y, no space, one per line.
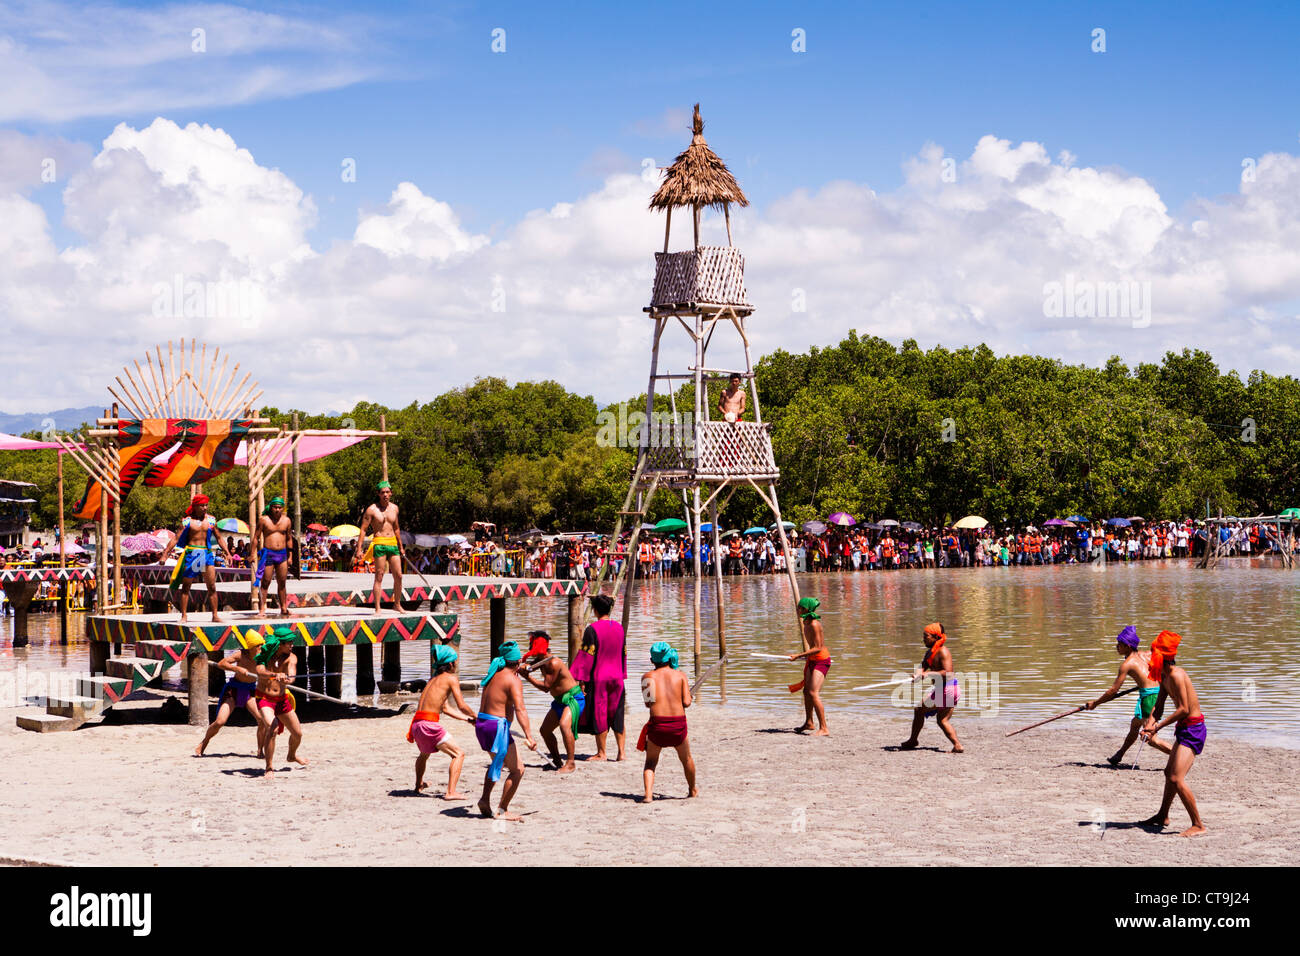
1134,664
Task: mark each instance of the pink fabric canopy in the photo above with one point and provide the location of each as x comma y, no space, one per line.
14,443
310,447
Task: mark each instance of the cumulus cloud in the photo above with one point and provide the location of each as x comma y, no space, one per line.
414,303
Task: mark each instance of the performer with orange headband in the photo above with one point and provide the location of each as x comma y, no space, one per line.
817,663
197,540
938,664
1189,729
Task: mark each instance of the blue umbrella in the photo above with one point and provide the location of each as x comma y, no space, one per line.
788,525
706,528
755,531
1077,518
1119,523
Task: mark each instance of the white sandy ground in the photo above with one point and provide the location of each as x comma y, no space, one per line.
128,792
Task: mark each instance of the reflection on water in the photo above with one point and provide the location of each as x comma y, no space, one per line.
1047,633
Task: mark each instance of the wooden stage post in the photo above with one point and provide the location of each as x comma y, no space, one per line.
316,664
497,625
334,665
365,668
98,657
575,624
20,594
196,663
63,612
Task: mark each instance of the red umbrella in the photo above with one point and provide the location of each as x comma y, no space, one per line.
317,527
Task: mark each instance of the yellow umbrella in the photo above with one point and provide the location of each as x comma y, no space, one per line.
233,525
971,521
345,531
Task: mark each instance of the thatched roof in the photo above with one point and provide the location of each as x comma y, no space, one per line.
698,177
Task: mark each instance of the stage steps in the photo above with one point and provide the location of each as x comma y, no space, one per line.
123,676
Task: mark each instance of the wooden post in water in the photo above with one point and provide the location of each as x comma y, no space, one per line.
365,668
575,624
496,625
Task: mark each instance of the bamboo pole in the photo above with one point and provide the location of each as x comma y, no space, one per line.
717,576
62,536
668,225
117,531
789,560
695,594
383,447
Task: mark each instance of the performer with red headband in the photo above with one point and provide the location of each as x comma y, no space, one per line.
198,539
568,702
1189,729
937,664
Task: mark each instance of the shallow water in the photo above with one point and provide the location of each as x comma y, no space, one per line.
1042,638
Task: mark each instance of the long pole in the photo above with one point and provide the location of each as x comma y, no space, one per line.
1065,713
62,546
383,445
117,534
695,552
297,494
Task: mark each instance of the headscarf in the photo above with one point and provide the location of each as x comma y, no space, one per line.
196,501
540,645
1165,645
253,639
277,500
443,656
935,630
1129,637
808,608
281,635
508,654
382,485
661,653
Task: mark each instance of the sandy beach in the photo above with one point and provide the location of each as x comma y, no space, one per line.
128,792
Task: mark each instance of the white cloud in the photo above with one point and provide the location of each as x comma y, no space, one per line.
414,303
62,59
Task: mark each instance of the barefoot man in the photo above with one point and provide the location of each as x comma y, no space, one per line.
386,548
501,703
1189,729
667,693
442,691
937,667
817,662
198,539
273,531
567,706
1133,664
238,692
276,668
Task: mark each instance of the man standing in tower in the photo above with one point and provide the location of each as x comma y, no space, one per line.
731,403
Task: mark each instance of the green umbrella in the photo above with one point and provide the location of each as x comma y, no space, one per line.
671,524
1291,513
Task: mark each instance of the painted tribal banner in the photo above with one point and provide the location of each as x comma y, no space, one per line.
204,450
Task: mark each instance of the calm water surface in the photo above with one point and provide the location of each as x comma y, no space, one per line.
1047,633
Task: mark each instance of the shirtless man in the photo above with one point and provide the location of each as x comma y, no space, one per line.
731,404
386,547
198,539
270,542
238,692
937,665
1134,665
276,668
502,702
667,693
1189,730
426,732
817,662
567,706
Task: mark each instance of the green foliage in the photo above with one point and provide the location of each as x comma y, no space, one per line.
864,427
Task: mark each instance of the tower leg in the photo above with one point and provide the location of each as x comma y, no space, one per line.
695,550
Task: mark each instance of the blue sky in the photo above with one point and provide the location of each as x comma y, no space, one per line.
521,170
1181,95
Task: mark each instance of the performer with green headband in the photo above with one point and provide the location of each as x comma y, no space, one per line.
386,548
271,543
502,702
276,668
667,693
817,663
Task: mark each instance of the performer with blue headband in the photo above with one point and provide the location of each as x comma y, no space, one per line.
502,701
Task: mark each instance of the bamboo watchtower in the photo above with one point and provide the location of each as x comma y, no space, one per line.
700,290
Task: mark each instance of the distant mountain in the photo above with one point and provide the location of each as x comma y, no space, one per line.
65,419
